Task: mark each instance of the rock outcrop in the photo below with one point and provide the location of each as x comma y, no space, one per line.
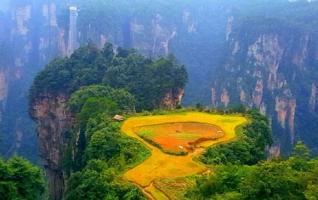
31,37
53,123
3,92
172,99
267,70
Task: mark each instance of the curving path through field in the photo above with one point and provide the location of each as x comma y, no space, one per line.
161,165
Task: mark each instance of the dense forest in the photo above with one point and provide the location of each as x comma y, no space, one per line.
294,178
19,179
149,81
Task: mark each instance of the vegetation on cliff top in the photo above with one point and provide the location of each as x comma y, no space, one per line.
100,84
148,80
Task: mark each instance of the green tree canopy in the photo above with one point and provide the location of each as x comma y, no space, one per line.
250,146
294,178
124,100
148,80
20,180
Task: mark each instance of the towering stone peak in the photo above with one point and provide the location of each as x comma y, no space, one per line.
268,70
72,41
53,122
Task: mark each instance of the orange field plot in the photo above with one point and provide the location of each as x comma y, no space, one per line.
189,132
179,137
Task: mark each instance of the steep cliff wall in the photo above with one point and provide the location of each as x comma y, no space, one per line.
31,37
53,123
268,69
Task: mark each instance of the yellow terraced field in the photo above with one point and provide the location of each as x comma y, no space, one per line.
161,165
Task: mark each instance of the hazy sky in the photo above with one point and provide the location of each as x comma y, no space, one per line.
4,4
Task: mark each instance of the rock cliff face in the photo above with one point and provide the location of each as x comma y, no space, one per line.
53,122
267,70
160,35
3,92
30,38
172,99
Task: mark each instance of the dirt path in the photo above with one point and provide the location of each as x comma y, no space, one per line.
161,165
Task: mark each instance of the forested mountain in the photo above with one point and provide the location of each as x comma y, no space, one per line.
84,151
74,72
216,40
70,92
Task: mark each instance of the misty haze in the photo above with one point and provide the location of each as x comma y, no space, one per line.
158,99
